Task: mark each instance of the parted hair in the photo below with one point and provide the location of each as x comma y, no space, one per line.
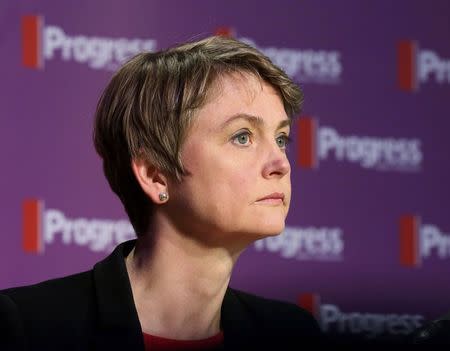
146,109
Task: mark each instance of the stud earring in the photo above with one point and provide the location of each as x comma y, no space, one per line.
163,196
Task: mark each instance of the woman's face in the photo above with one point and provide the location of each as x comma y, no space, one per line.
234,155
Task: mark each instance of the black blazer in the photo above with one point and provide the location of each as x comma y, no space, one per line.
94,310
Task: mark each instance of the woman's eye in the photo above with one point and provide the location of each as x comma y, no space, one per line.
242,138
283,141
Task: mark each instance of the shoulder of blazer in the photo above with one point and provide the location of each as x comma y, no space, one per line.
54,297
277,314
72,297
264,322
84,311
56,309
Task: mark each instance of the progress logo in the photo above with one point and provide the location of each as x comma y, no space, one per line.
322,143
42,43
43,227
309,243
303,65
369,325
421,241
417,66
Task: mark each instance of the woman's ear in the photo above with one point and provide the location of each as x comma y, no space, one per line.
152,181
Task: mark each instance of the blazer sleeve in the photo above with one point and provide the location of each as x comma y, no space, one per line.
11,327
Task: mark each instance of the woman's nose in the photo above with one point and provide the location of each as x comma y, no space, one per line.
276,163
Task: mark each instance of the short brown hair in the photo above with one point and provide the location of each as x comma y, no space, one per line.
146,109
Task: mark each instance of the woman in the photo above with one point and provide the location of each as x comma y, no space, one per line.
193,141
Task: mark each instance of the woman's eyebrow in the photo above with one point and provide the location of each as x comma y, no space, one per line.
256,121
285,123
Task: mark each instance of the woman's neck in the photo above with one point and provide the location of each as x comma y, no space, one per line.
178,284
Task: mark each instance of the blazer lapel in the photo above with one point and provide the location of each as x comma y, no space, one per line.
238,324
118,324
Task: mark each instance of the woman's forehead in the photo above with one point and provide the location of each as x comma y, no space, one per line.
235,94
242,83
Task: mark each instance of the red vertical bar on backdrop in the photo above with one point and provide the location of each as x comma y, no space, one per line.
311,303
225,32
32,233
31,41
406,65
409,241
307,150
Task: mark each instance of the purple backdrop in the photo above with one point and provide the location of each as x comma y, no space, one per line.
376,77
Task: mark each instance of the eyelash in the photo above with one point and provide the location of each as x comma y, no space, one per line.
287,139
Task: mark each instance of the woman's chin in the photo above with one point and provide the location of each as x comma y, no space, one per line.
272,229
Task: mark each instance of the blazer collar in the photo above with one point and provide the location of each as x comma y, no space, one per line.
119,325
237,322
